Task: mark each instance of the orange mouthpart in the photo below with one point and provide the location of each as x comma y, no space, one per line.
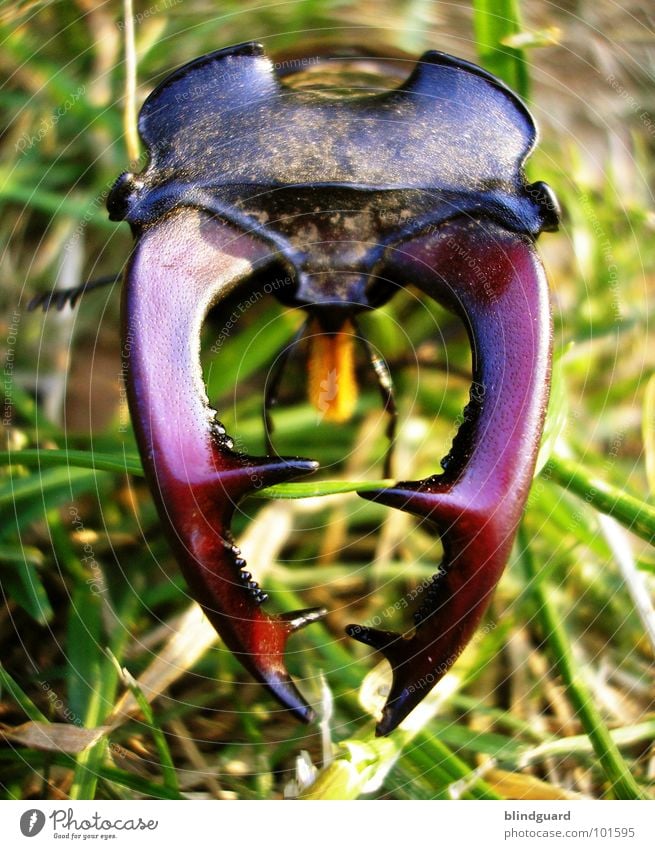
332,385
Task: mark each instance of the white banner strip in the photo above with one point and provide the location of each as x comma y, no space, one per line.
276,825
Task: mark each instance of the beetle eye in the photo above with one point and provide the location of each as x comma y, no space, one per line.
118,201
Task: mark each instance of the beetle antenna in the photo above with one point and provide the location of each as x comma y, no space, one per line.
385,385
60,297
273,383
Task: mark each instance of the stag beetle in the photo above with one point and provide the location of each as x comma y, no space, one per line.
355,197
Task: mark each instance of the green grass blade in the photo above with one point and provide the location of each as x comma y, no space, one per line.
557,413
247,351
431,749
130,780
23,406
21,554
89,681
609,758
53,203
493,22
137,783
320,488
83,641
636,515
648,432
20,697
27,488
45,458
90,765
25,586
168,767
642,732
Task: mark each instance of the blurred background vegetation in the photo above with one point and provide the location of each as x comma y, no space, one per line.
111,684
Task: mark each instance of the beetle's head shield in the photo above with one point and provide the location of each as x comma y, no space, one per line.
331,184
